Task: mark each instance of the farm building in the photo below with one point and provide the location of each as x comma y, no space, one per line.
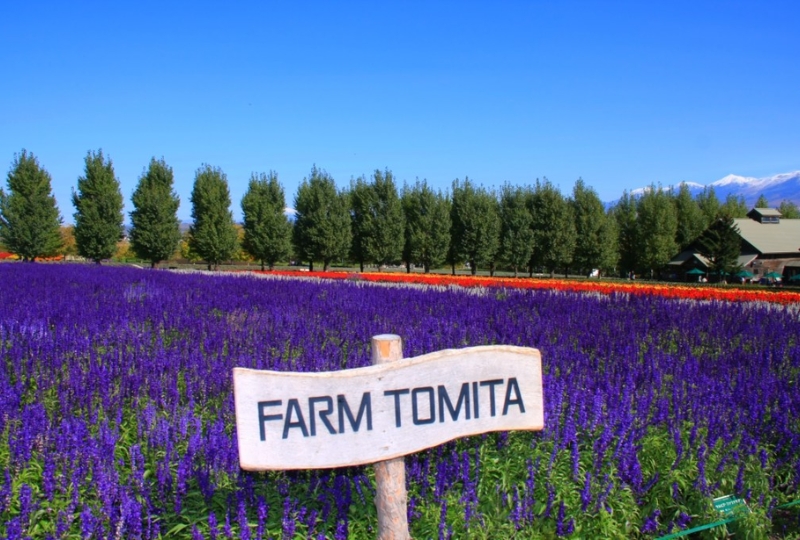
769,244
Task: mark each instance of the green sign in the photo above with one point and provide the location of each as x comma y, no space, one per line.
730,505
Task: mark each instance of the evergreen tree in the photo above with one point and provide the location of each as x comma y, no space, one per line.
362,204
657,225
710,206
322,223
155,229
475,225
554,233
98,204
213,236
761,202
385,241
29,219
427,231
267,230
625,217
516,234
721,244
691,221
591,239
734,207
789,210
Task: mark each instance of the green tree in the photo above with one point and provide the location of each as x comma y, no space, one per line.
592,242
733,206
553,227
362,203
625,214
691,221
709,204
609,238
721,244
155,229
385,241
322,223
475,225
30,224
761,202
657,225
516,234
427,226
213,236
98,205
267,230
789,210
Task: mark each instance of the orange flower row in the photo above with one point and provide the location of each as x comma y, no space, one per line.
733,294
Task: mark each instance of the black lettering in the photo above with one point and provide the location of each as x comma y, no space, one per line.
476,412
415,408
396,394
344,409
294,405
262,405
512,384
444,400
491,384
323,414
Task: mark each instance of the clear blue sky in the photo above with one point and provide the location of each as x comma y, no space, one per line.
622,94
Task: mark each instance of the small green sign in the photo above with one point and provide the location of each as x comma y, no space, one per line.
730,505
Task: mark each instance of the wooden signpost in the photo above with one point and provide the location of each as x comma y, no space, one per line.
380,413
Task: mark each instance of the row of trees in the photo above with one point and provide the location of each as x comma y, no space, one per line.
519,228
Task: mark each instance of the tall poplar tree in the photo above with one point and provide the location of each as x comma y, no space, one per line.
213,235
657,225
709,204
553,228
155,229
385,241
98,209
691,222
624,213
516,234
427,226
475,224
267,230
322,223
362,204
591,242
30,224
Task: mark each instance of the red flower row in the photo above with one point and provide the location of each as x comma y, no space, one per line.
734,294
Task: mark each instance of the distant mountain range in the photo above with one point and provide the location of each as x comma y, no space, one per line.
778,188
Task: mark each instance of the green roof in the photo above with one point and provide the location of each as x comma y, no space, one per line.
771,238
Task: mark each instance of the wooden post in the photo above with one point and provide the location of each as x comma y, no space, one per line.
391,498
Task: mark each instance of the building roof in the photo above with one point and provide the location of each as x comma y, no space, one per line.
771,238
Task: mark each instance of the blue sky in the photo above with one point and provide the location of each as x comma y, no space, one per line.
622,94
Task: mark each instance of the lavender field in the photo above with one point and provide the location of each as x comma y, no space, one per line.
116,409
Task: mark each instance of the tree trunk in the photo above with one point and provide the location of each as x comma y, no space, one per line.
427,268
453,266
325,265
311,266
361,266
473,268
515,271
408,267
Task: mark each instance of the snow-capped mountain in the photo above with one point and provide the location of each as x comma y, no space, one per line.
778,188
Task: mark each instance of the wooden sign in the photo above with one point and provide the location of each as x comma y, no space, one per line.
334,419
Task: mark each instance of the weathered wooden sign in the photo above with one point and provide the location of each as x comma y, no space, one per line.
364,415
